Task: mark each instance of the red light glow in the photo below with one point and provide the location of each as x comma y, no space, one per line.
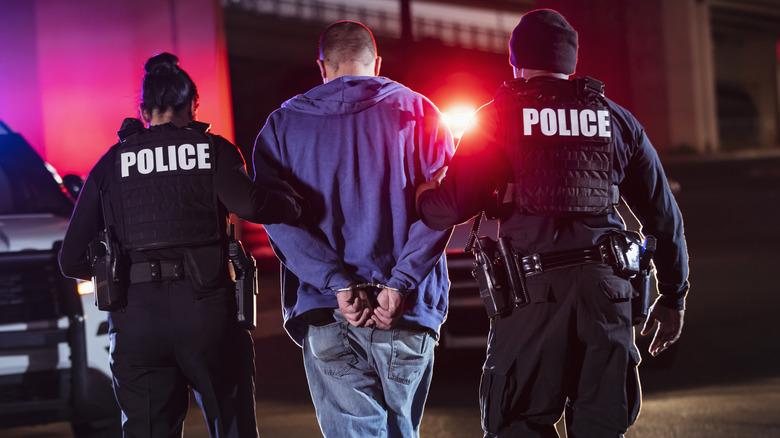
458,119
72,71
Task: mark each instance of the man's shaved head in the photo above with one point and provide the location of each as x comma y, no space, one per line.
347,42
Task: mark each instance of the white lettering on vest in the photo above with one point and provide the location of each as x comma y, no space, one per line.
172,156
127,159
184,157
587,122
530,118
158,160
145,161
548,122
203,154
587,117
562,129
603,117
575,126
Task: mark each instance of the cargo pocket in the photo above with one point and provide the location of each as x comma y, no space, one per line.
411,353
493,388
330,346
617,289
633,388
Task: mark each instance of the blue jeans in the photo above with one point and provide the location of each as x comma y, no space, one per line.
367,382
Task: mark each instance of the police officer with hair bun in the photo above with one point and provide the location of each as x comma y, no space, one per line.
560,156
165,192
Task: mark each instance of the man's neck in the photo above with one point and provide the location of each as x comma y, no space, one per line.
348,69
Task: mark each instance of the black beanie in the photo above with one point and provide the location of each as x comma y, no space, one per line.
544,40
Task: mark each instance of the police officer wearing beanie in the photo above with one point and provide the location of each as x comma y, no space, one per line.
560,155
166,191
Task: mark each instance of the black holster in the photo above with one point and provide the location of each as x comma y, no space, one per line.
632,261
245,269
640,304
626,249
107,279
501,281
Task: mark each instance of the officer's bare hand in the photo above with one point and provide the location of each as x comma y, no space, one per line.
432,184
355,307
670,323
389,309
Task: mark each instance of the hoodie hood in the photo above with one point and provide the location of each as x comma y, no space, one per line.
344,95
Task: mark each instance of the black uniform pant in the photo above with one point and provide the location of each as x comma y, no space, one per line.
571,349
170,339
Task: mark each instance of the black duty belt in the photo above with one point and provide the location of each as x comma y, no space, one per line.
157,270
538,263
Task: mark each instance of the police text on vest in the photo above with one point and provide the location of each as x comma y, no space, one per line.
571,122
164,159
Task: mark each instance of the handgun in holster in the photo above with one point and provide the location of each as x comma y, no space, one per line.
514,273
245,269
110,290
641,282
490,276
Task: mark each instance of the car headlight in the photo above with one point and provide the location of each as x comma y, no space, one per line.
85,287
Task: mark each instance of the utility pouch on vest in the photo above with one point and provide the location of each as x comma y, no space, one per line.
245,268
103,253
640,304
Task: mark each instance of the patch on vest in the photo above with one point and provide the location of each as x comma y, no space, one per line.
566,122
165,159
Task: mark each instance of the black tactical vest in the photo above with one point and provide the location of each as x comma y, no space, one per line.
558,136
165,183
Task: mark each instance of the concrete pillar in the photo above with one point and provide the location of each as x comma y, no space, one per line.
655,57
687,45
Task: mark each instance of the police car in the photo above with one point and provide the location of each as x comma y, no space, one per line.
54,363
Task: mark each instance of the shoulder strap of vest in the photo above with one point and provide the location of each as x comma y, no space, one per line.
199,126
516,88
590,86
130,126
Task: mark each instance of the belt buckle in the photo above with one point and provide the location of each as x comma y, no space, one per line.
532,264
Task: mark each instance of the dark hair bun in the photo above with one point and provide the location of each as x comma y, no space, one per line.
162,64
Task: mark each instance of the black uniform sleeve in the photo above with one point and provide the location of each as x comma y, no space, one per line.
251,202
647,193
86,223
477,169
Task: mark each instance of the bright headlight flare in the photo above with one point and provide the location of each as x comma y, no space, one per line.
458,118
54,173
85,287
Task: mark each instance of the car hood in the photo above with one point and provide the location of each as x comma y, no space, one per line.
30,231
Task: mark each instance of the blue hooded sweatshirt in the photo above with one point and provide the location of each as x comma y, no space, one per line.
356,148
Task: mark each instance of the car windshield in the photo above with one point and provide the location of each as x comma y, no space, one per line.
27,186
